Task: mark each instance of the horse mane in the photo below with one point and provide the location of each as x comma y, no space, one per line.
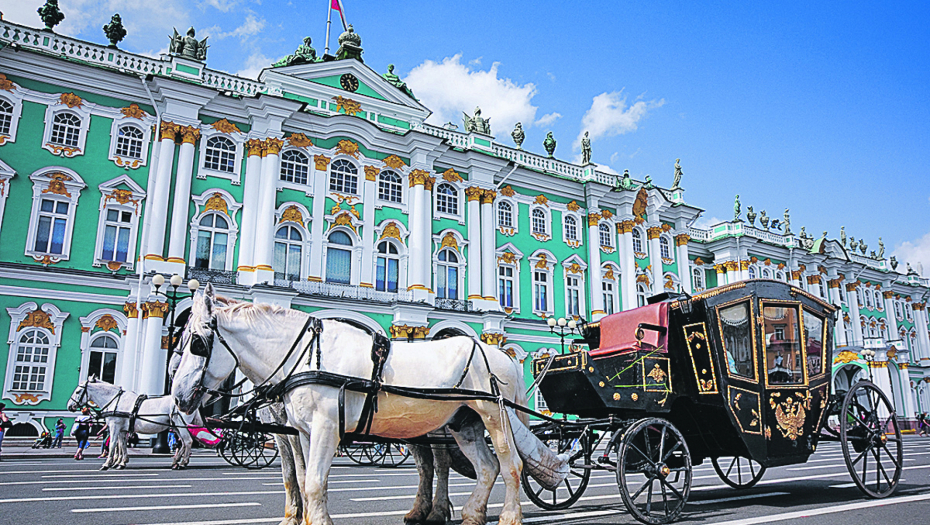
252,311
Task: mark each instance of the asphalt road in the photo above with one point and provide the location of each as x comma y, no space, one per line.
39,491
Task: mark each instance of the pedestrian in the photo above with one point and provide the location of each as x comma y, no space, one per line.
81,431
922,424
59,433
172,440
4,426
104,434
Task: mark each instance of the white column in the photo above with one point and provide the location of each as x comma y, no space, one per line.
182,195
488,247
158,203
426,266
839,331
253,173
473,194
732,271
891,318
128,353
319,180
152,378
908,393
655,259
264,222
923,338
853,301
684,262
370,189
594,267
794,277
420,233
628,265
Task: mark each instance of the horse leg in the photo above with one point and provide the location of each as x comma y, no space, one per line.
470,439
323,441
510,463
292,497
442,505
111,450
423,456
187,444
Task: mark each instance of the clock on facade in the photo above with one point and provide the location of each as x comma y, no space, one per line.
348,82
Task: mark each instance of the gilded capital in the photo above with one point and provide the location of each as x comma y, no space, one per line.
796,275
720,268
493,338
888,294
488,196
813,279
273,146
371,173
744,265
731,266
593,218
321,162
653,233
256,147
154,309
131,311
189,134
834,283
682,239
418,178
625,227
168,131
473,193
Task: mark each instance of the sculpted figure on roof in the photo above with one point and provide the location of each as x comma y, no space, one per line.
395,81
305,54
187,46
477,124
585,149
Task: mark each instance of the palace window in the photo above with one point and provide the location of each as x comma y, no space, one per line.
52,227
665,248
6,117
641,294
572,295
540,226
117,232
51,224
390,186
697,278
859,298
505,285
752,272
604,235
879,303
343,177
447,199
782,276
897,310
571,228
220,155
339,258
540,291
35,335
637,241
102,361
766,274
504,214
66,129
288,251
32,353
822,288
388,267
447,275
908,311
212,242
868,299
129,142
295,167
842,293
610,296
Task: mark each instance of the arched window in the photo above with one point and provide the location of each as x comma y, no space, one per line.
447,275
338,259
212,241
295,167
842,293
447,199
288,248
868,300
102,360
129,142
116,235
859,298
220,155
343,177
879,303
504,215
766,274
604,236
781,276
908,311
637,241
752,272
387,271
697,276
389,186
6,117
609,294
573,295
31,366
641,294
66,129
822,287
897,310
665,247
539,222
571,228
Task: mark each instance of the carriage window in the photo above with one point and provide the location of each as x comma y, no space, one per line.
782,345
813,339
736,334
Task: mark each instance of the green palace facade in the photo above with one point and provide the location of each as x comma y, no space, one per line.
320,187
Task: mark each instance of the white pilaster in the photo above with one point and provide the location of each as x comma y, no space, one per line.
594,267
853,301
655,259
488,247
152,377
923,338
182,197
319,180
474,243
128,353
253,173
158,205
264,222
369,191
890,317
684,262
839,331
628,265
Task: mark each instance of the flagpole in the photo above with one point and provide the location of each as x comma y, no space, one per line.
329,21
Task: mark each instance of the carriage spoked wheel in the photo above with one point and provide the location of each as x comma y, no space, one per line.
265,453
393,454
365,454
248,449
568,492
654,471
738,472
871,440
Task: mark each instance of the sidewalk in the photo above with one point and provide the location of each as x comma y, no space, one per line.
21,448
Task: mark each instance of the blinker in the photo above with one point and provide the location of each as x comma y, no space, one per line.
201,346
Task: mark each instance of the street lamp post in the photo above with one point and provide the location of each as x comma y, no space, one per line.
172,298
563,328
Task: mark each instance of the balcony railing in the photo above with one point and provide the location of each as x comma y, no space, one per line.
344,291
206,275
459,305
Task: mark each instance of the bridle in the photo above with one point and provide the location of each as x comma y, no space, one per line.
82,400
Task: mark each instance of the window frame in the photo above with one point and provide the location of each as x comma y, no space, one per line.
18,318
695,272
145,126
752,337
110,196
575,240
82,112
402,190
288,242
207,133
546,222
14,98
512,261
610,247
92,328
513,228
301,186
797,307
457,194
666,242
359,180
400,257
637,234
544,262
614,282
205,205
59,185
355,253
574,266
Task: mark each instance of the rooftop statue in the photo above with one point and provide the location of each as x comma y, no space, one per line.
881,248
50,14
843,235
305,54
518,135
477,124
648,184
585,149
751,216
764,220
863,247
894,263
736,209
395,81
188,46
549,144
626,182
114,31
787,223
677,181
350,45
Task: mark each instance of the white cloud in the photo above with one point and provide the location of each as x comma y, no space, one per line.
704,223
450,88
548,118
254,65
609,115
221,5
914,252
606,169
251,26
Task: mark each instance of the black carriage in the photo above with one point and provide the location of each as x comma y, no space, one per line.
739,374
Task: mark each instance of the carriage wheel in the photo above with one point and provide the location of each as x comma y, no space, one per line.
363,454
738,472
566,494
247,447
267,452
223,448
872,445
395,454
654,471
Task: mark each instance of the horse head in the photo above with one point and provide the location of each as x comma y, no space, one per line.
201,368
79,397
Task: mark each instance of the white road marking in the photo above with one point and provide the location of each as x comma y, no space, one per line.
281,483
843,486
115,487
103,475
736,498
827,510
116,480
125,496
169,507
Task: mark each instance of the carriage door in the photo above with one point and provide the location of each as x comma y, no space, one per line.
736,324
789,408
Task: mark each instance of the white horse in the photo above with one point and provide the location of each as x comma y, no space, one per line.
154,415
258,338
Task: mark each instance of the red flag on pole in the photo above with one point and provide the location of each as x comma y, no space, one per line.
337,5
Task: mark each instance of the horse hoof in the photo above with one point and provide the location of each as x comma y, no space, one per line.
104,467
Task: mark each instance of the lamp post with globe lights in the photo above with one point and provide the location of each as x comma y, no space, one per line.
172,297
562,327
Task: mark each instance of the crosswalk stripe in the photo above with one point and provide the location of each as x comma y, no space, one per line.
169,507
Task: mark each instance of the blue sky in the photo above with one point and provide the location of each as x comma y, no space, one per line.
820,107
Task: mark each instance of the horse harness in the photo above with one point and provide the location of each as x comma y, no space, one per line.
132,416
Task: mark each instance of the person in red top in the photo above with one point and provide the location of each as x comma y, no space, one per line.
4,426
